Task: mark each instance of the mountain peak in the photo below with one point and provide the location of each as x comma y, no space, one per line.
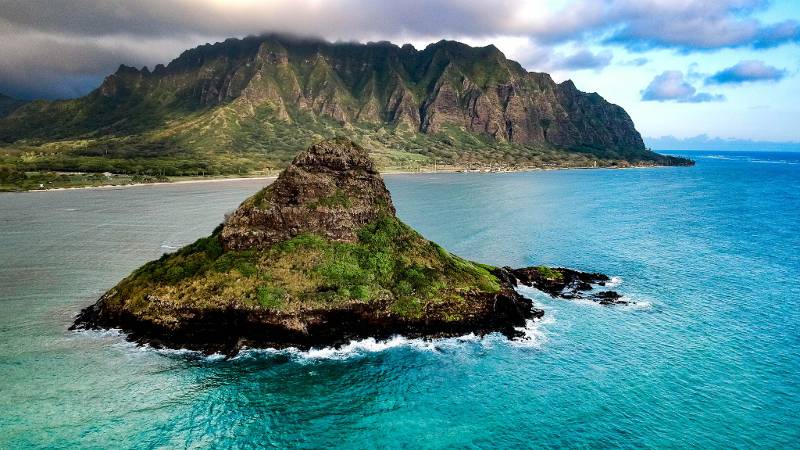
332,189
338,154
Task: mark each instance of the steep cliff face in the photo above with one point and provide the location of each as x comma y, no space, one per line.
232,96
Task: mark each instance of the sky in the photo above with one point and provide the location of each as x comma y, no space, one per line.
718,69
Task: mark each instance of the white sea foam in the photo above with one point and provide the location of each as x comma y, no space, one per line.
354,348
638,302
614,282
109,333
773,161
586,302
639,305
749,159
532,337
113,336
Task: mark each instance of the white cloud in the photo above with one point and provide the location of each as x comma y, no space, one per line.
671,86
747,71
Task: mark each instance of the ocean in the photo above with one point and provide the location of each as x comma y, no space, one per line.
707,357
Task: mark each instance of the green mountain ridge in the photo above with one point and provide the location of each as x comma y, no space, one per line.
252,104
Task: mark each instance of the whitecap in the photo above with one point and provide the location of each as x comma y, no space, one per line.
359,348
639,305
638,302
114,335
613,282
108,333
635,302
533,336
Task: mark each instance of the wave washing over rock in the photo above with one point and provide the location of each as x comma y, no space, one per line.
531,335
319,259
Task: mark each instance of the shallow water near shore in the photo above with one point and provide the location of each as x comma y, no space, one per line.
707,357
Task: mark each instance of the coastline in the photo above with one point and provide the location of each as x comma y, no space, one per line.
157,183
383,173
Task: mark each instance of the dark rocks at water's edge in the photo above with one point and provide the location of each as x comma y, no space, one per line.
231,330
318,259
568,284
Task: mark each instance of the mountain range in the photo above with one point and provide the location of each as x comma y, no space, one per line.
707,143
253,103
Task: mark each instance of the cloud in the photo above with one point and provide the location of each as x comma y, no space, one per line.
705,142
699,26
36,36
39,64
636,62
692,74
583,59
777,34
747,71
685,25
334,19
60,48
671,86
543,58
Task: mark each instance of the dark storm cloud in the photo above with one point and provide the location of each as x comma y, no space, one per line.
86,39
332,19
36,64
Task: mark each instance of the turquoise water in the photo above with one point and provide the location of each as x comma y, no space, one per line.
707,358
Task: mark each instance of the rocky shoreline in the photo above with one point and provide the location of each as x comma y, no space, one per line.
318,259
229,331
568,284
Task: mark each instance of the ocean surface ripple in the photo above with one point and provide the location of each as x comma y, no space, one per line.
707,357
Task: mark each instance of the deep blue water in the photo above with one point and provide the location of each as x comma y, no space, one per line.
708,357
